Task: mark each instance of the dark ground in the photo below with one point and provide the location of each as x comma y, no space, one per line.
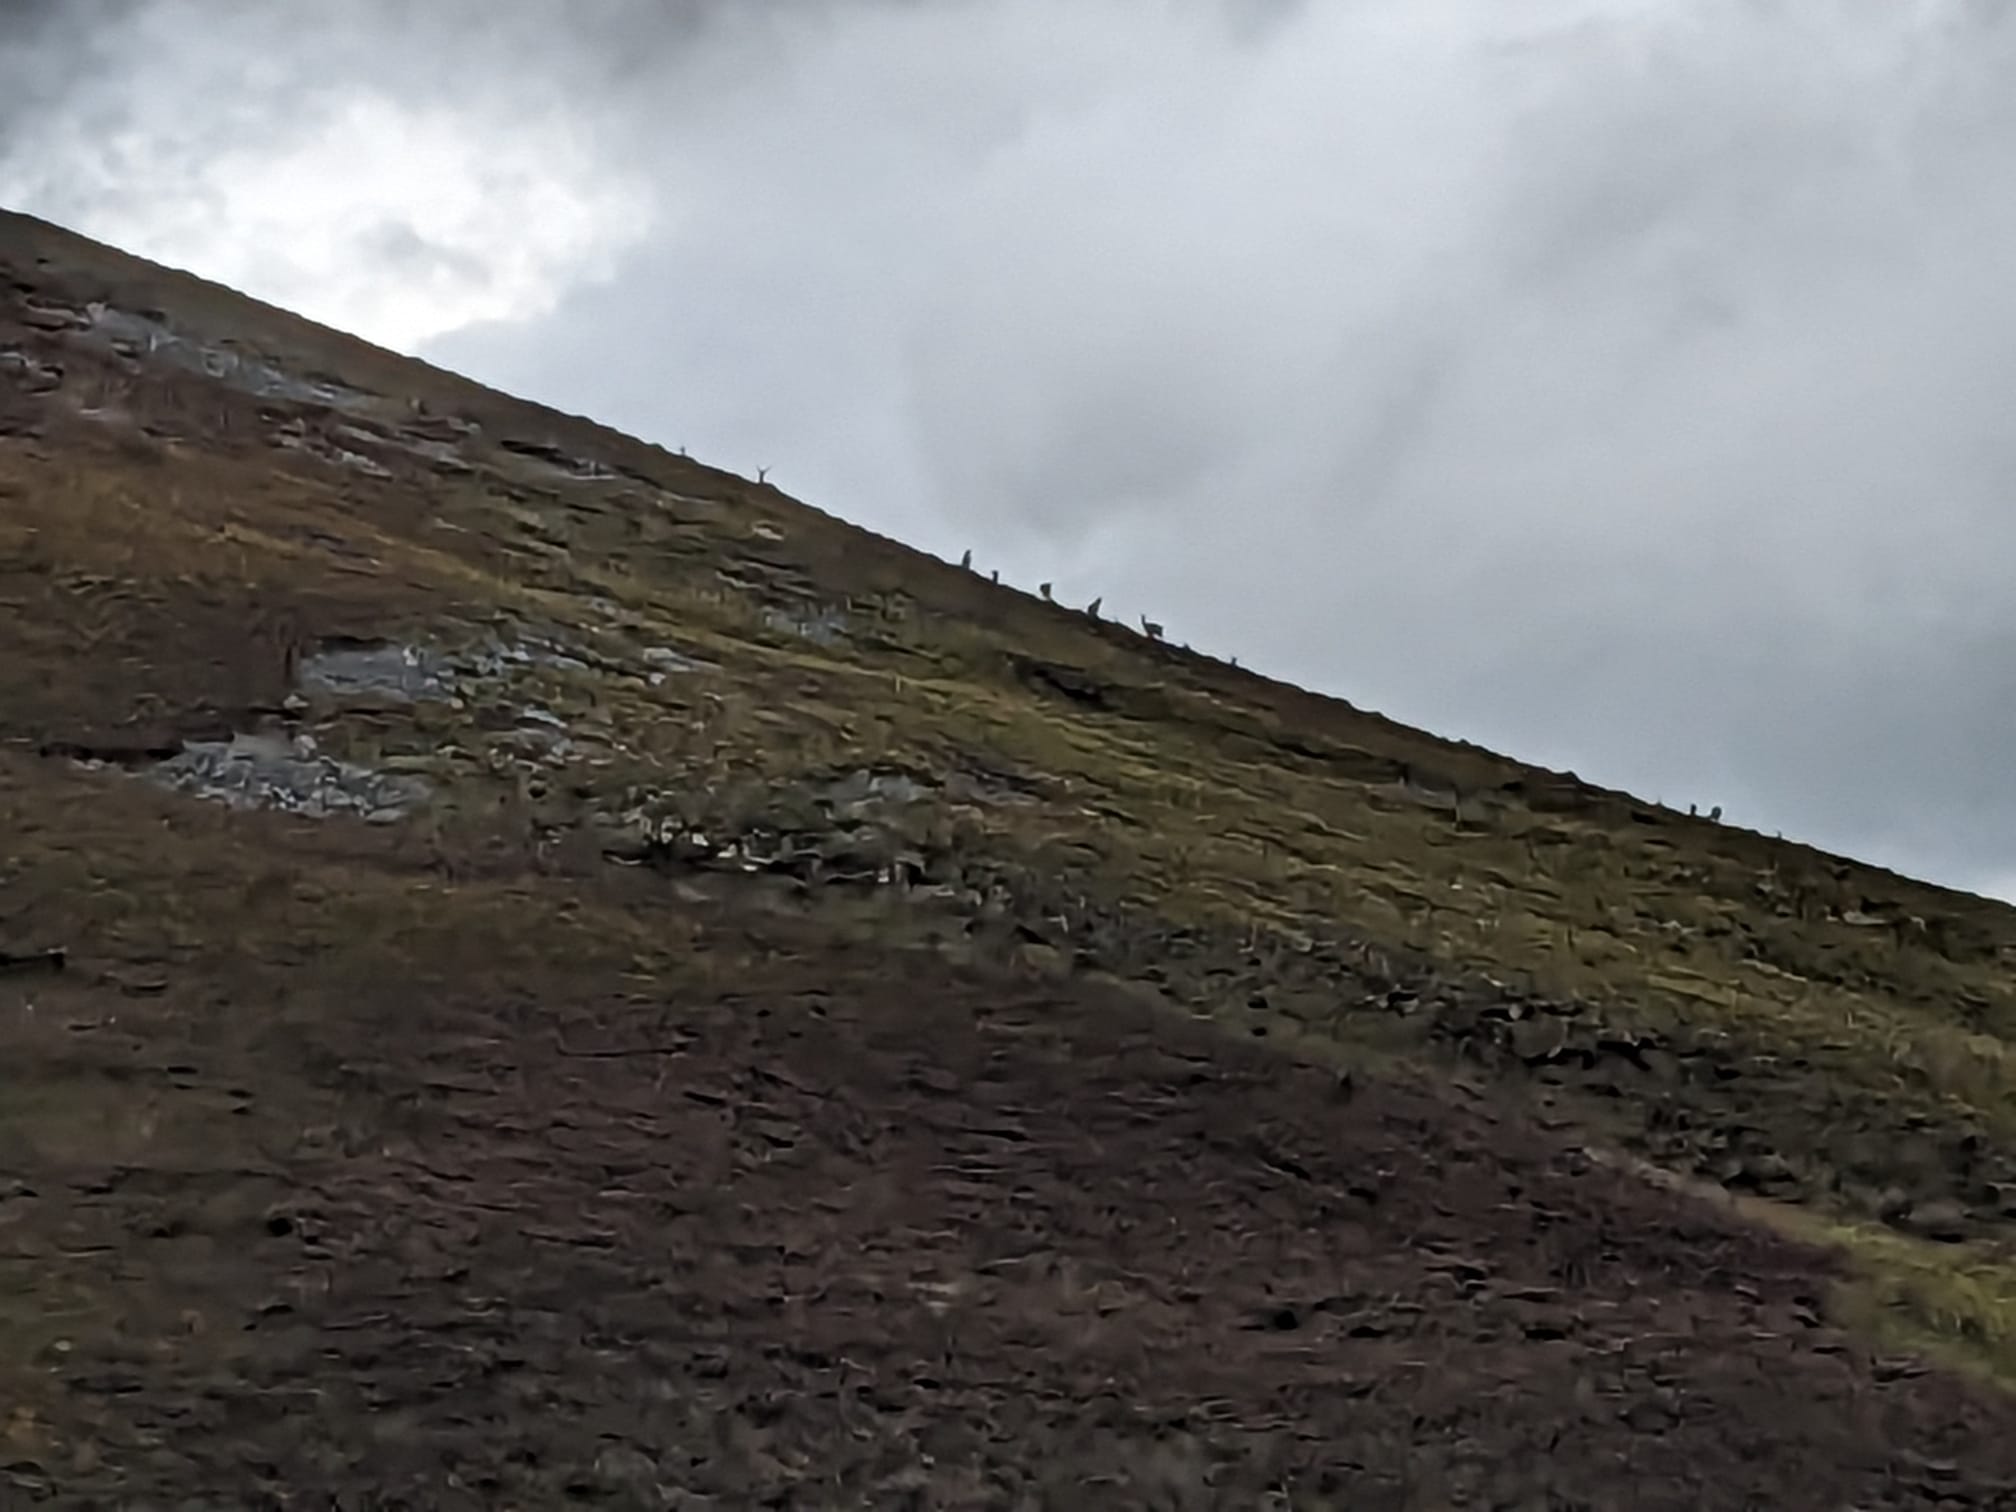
874,1232
960,1125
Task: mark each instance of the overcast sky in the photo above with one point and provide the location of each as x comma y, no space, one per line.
1629,385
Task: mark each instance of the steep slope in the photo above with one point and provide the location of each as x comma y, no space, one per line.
532,967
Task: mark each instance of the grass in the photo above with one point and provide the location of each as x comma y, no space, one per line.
1721,1005
1958,1308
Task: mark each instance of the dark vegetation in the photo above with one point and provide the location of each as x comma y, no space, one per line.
534,970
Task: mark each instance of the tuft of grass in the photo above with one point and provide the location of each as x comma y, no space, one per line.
1955,1303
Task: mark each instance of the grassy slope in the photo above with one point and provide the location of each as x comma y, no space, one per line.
1829,1040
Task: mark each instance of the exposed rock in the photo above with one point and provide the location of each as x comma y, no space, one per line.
623,1466
268,771
823,627
391,671
864,788
1941,1218
1761,1172
27,373
663,659
153,339
553,459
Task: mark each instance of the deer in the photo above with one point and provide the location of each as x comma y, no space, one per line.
1044,589
1093,607
1150,629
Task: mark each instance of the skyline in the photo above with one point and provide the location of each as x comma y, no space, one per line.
1613,386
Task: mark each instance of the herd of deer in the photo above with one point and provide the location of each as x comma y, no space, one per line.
1154,632
1148,627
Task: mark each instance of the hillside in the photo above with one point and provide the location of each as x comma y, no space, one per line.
533,969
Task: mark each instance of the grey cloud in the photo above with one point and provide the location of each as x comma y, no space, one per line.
1620,384
49,49
405,253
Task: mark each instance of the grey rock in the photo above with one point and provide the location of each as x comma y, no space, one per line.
1941,1219
665,659
264,771
400,672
